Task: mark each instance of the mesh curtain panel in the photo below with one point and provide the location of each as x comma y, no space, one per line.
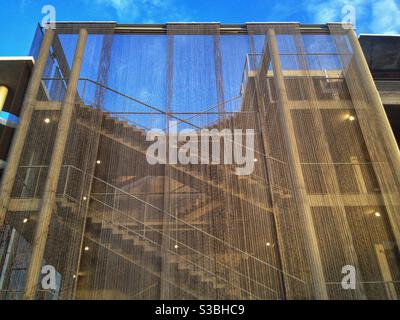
323,194
231,214
380,174
337,168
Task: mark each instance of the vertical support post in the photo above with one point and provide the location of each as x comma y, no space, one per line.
385,272
66,182
219,81
49,195
277,238
389,140
362,187
103,73
12,243
260,114
369,85
299,188
15,153
165,241
328,170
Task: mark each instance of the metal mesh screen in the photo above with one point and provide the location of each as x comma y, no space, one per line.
323,192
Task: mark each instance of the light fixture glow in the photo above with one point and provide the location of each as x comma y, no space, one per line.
47,120
351,117
86,248
377,214
255,160
74,276
98,161
268,244
25,220
84,198
176,246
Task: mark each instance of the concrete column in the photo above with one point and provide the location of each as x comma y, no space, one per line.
389,140
49,195
3,96
299,187
102,77
15,152
328,170
369,85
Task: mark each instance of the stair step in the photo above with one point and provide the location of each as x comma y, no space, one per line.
135,248
130,245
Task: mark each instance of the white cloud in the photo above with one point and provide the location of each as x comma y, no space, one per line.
386,17
374,16
145,11
331,10
121,7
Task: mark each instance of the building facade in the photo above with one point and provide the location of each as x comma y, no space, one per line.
14,76
315,217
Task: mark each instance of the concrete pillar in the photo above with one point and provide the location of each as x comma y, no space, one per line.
15,152
393,154
299,187
3,96
102,77
49,195
369,85
266,150
328,170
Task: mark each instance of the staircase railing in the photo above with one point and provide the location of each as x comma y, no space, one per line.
126,108
67,189
183,250
180,258
118,194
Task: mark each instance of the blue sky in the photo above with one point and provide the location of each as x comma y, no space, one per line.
20,17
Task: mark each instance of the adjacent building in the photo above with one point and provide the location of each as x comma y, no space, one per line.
14,77
383,58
